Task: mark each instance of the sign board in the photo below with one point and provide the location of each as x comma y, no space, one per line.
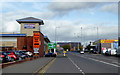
108,41
31,26
36,42
52,45
36,50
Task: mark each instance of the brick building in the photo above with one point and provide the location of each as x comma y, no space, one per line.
30,37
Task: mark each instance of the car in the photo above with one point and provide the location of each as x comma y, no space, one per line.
20,54
112,52
118,52
28,53
81,52
4,57
50,55
12,55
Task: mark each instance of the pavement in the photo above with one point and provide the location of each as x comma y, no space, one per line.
28,66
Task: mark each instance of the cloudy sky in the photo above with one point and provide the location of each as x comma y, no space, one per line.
66,17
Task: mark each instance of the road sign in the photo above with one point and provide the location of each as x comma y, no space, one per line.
52,46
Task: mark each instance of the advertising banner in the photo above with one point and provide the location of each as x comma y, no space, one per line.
36,42
31,26
108,41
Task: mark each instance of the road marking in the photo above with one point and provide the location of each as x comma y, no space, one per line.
46,67
99,61
76,66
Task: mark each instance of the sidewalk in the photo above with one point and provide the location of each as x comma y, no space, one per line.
28,66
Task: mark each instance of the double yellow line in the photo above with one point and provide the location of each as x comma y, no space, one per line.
46,67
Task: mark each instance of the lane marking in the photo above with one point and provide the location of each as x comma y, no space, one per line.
99,61
76,66
46,67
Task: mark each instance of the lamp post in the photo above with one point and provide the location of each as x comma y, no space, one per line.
56,33
55,37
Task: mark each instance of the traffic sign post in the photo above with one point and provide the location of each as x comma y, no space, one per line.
52,46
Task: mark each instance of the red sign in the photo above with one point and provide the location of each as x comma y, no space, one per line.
36,40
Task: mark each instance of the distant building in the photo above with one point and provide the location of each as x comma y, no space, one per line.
106,43
73,45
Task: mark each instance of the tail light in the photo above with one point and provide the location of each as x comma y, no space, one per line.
2,56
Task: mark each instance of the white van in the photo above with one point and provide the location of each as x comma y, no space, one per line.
112,52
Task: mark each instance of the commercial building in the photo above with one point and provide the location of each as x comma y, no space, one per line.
46,41
30,37
73,45
106,43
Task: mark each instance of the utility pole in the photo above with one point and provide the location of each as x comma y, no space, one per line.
81,36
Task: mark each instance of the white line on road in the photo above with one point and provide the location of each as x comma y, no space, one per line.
99,61
76,66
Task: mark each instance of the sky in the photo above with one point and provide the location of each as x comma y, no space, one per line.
67,18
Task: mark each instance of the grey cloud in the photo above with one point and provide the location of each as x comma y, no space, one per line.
64,7
111,8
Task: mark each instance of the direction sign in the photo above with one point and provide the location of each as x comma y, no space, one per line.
52,45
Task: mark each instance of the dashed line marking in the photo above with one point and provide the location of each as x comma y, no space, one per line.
76,66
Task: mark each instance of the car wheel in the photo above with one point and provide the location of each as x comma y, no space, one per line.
20,58
12,59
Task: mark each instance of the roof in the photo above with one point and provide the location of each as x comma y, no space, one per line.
12,35
30,20
46,39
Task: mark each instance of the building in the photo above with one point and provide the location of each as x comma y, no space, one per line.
73,45
30,38
46,41
106,43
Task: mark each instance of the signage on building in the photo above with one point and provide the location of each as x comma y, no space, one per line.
36,50
52,45
31,26
108,41
36,42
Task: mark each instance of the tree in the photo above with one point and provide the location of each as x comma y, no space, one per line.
65,47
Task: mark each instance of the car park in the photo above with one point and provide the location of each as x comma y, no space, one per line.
50,55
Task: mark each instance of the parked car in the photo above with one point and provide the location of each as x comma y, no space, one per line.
20,54
104,50
28,53
12,55
110,51
118,52
81,52
4,57
50,55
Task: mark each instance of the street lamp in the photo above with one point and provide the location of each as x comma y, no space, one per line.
56,33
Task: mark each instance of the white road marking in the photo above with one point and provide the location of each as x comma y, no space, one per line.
76,66
99,61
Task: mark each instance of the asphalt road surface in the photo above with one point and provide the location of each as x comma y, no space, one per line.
77,63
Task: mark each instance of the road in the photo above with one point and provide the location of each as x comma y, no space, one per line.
74,63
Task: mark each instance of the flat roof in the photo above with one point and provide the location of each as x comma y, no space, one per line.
30,20
12,35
